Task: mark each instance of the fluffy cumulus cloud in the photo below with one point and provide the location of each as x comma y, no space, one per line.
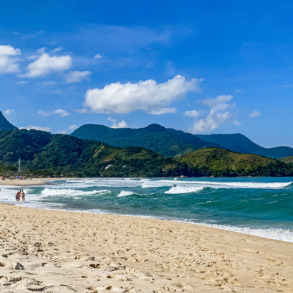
77,76
254,114
148,95
115,124
46,64
59,112
9,59
217,115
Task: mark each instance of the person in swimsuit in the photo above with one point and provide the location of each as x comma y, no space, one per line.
22,195
17,196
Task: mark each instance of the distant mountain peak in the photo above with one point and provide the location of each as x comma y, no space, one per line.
155,127
5,125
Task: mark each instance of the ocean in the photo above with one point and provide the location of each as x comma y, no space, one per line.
257,206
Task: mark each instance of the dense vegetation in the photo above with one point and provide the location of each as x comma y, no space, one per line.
241,144
171,143
53,155
221,162
166,142
5,125
287,160
43,153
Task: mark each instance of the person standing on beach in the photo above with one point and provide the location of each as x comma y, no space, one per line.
17,196
22,196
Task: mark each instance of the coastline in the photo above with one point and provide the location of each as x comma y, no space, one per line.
27,182
62,251
271,233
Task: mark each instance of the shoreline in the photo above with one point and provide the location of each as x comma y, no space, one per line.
273,234
232,229
27,182
64,251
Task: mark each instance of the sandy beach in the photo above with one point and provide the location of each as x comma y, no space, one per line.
25,182
29,181
56,251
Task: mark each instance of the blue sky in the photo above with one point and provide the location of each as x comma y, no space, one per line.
199,66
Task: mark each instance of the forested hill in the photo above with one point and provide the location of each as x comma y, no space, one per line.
167,142
55,154
170,142
5,125
43,153
221,162
240,143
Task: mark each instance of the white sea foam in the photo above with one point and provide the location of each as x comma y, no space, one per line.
257,185
218,184
272,233
102,182
71,192
125,193
183,189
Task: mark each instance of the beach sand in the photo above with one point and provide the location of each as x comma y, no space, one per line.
57,251
26,182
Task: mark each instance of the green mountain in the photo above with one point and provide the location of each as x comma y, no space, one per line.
170,142
221,162
52,155
287,160
5,125
240,143
167,142
48,154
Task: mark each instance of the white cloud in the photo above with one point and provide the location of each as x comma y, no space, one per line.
163,111
72,127
48,129
48,83
121,124
98,56
219,102
192,113
77,76
9,111
254,114
42,50
56,50
9,59
60,112
144,95
21,82
216,116
62,131
47,64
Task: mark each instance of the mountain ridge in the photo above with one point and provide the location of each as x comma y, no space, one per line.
154,137
5,125
171,142
240,143
54,154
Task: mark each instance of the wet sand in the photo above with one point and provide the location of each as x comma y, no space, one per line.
56,251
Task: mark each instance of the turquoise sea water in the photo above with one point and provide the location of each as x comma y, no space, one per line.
259,206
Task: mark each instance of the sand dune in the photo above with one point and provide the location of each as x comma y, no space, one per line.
54,251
